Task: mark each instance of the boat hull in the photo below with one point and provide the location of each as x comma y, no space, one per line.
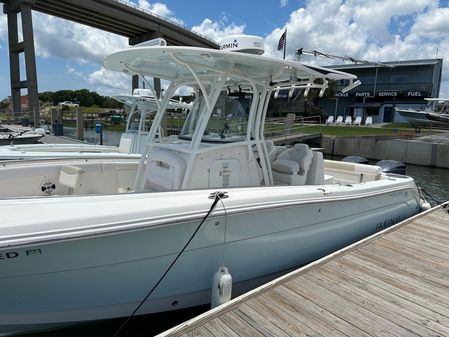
22,139
80,276
443,118
418,118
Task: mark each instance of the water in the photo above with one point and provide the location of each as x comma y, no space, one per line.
109,137
139,326
434,181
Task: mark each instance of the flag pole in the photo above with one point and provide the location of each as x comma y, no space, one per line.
285,42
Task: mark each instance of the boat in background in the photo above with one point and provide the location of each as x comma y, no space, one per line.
420,118
442,118
86,239
142,105
11,135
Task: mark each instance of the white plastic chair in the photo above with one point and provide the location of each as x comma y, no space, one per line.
358,121
339,120
348,120
369,121
330,120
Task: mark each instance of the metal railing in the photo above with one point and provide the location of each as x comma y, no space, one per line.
290,127
130,4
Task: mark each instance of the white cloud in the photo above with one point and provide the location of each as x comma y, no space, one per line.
110,82
3,29
159,9
363,30
358,28
55,37
72,71
218,29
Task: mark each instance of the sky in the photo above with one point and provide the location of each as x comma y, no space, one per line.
69,55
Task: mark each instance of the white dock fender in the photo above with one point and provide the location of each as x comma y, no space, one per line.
221,287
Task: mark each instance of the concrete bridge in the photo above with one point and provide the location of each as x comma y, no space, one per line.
115,16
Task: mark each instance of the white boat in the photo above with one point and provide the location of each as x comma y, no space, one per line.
86,239
434,107
132,142
9,135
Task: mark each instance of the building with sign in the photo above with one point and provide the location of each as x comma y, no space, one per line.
402,84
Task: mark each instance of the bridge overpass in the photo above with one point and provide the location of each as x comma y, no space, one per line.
115,16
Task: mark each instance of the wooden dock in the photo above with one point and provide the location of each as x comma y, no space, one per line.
50,139
394,283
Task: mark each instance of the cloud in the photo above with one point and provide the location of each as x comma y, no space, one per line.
56,37
3,30
366,30
217,30
378,30
72,71
159,9
110,82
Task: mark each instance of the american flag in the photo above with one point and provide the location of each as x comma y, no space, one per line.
281,42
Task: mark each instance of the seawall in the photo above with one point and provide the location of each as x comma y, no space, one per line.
409,151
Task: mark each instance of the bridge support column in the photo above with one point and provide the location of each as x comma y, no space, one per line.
12,8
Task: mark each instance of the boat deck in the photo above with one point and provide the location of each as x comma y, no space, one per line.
395,283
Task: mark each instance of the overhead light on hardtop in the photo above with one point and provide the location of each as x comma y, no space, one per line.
249,44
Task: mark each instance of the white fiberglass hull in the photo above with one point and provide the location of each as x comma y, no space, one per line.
55,151
101,263
417,118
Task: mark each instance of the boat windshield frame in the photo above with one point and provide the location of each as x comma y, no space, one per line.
210,72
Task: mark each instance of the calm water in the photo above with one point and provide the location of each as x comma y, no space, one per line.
433,180
109,137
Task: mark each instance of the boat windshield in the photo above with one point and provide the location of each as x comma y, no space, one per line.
134,122
438,106
442,107
228,121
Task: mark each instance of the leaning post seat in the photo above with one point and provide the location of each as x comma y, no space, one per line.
292,166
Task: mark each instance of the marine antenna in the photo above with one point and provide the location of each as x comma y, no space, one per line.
317,53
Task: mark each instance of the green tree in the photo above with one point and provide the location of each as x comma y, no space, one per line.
4,104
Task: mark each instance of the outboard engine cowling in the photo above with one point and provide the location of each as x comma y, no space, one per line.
392,166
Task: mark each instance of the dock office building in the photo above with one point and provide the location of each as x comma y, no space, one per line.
402,84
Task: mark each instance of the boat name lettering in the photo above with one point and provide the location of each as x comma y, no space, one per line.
8,255
387,223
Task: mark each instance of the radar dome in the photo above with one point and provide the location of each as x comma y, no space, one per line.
243,44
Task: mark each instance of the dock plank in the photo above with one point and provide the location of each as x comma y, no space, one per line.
292,327
395,283
377,305
390,301
412,266
358,316
317,314
401,280
412,292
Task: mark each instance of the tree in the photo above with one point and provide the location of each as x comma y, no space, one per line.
4,104
83,97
